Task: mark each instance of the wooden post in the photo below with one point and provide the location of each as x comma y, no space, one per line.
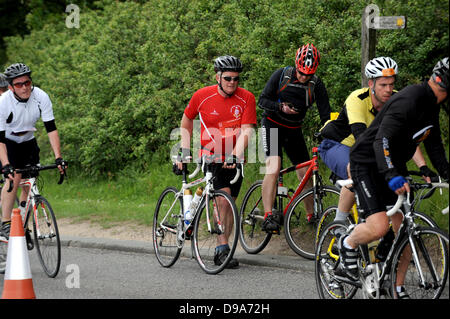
371,22
368,40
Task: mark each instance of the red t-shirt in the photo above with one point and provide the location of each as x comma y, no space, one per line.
221,117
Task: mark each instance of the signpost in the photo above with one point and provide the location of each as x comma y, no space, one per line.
371,22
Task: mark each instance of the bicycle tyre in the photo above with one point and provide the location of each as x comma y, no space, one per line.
204,242
329,215
46,237
165,242
432,251
251,216
301,235
326,261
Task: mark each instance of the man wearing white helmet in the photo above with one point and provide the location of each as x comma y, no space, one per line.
358,112
378,162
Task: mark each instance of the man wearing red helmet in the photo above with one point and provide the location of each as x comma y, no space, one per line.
286,98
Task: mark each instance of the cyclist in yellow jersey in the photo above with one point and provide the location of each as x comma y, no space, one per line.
359,111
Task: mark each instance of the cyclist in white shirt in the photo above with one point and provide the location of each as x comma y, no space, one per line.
20,108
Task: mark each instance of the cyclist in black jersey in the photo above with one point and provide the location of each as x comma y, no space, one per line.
359,110
379,156
286,98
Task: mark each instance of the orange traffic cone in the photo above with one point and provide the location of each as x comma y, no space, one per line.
18,283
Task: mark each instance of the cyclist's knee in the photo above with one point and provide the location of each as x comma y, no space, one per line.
273,166
378,224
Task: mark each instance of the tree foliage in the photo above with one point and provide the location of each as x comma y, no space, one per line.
120,82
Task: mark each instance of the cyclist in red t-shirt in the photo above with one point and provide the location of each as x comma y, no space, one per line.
228,116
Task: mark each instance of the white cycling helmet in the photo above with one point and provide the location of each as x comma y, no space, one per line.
381,66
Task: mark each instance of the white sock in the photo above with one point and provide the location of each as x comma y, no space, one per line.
346,245
341,215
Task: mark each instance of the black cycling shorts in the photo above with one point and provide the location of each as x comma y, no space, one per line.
276,137
22,154
223,177
373,191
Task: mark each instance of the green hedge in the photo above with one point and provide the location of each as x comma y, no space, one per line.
120,82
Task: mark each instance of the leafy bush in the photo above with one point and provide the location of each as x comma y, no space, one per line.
120,83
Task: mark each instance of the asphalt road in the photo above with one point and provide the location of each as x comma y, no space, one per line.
113,269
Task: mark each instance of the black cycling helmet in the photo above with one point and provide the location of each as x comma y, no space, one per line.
3,82
15,70
441,73
227,63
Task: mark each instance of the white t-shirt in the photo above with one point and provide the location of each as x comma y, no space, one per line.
18,119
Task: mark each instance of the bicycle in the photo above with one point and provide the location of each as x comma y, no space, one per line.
45,228
330,213
170,230
426,272
299,233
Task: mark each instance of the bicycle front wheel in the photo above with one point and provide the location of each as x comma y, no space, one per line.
301,233
46,237
166,220
327,261
423,267
251,216
216,223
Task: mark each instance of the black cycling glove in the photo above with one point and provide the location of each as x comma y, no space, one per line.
8,169
427,172
60,162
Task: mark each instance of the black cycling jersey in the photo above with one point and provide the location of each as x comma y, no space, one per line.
294,93
392,138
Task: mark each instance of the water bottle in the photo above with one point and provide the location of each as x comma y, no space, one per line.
385,245
196,199
187,199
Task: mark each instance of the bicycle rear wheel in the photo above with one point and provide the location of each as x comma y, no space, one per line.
301,234
431,246
217,221
251,216
166,218
326,262
46,237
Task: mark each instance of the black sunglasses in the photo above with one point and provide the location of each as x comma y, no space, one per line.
231,78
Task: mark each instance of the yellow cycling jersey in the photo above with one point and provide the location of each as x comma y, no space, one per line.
358,108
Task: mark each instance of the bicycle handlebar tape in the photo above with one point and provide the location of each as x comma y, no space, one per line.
18,283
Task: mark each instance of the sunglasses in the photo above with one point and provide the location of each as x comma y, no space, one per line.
301,73
231,78
18,85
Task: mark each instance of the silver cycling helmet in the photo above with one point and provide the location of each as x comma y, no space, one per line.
381,66
441,73
3,82
15,70
227,63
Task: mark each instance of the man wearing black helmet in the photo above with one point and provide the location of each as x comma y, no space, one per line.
379,156
20,109
228,116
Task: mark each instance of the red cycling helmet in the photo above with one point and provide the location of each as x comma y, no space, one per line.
307,59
